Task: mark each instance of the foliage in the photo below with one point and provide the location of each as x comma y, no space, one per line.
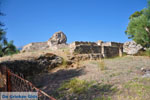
76,86
139,26
6,48
143,53
136,14
85,90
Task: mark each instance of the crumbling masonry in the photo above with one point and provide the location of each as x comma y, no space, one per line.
91,49
105,49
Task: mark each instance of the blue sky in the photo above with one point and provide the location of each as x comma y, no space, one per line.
29,21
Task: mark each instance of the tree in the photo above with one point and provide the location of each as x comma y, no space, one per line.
6,48
139,26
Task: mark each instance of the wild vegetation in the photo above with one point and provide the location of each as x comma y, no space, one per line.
6,48
108,79
139,26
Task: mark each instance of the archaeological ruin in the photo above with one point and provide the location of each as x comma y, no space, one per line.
98,49
105,49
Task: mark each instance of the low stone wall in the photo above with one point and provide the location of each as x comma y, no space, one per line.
109,51
35,46
113,44
79,57
84,48
83,43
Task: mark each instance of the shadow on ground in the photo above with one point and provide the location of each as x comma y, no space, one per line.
50,82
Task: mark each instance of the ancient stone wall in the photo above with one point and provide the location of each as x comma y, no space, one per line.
83,43
57,41
107,49
84,48
35,46
113,44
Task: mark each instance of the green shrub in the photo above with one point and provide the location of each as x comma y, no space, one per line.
144,53
83,90
75,86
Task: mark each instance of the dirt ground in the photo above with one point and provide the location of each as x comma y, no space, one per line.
116,72
123,73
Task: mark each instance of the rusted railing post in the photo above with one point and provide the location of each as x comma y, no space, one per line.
13,82
8,80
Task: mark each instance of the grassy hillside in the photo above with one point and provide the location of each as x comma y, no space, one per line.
107,79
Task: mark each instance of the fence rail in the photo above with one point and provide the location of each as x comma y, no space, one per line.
12,82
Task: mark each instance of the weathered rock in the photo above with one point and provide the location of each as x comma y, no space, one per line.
145,72
131,47
29,67
57,38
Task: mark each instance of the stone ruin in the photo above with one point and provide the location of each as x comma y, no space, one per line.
57,41
102,49
98,49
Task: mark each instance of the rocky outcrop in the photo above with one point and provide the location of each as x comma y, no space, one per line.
33,66
57,38
131,47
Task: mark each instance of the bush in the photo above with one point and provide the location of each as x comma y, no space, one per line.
144,53
76,86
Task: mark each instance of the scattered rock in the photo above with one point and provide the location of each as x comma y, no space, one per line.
145,72
131,47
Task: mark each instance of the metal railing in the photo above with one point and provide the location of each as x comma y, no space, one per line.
11,82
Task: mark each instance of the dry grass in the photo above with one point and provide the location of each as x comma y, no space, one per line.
120,72
29,55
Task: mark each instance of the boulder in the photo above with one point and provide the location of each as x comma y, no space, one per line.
131,47
57,38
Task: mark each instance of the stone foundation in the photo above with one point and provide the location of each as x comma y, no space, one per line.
109,51
106,49
84,48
